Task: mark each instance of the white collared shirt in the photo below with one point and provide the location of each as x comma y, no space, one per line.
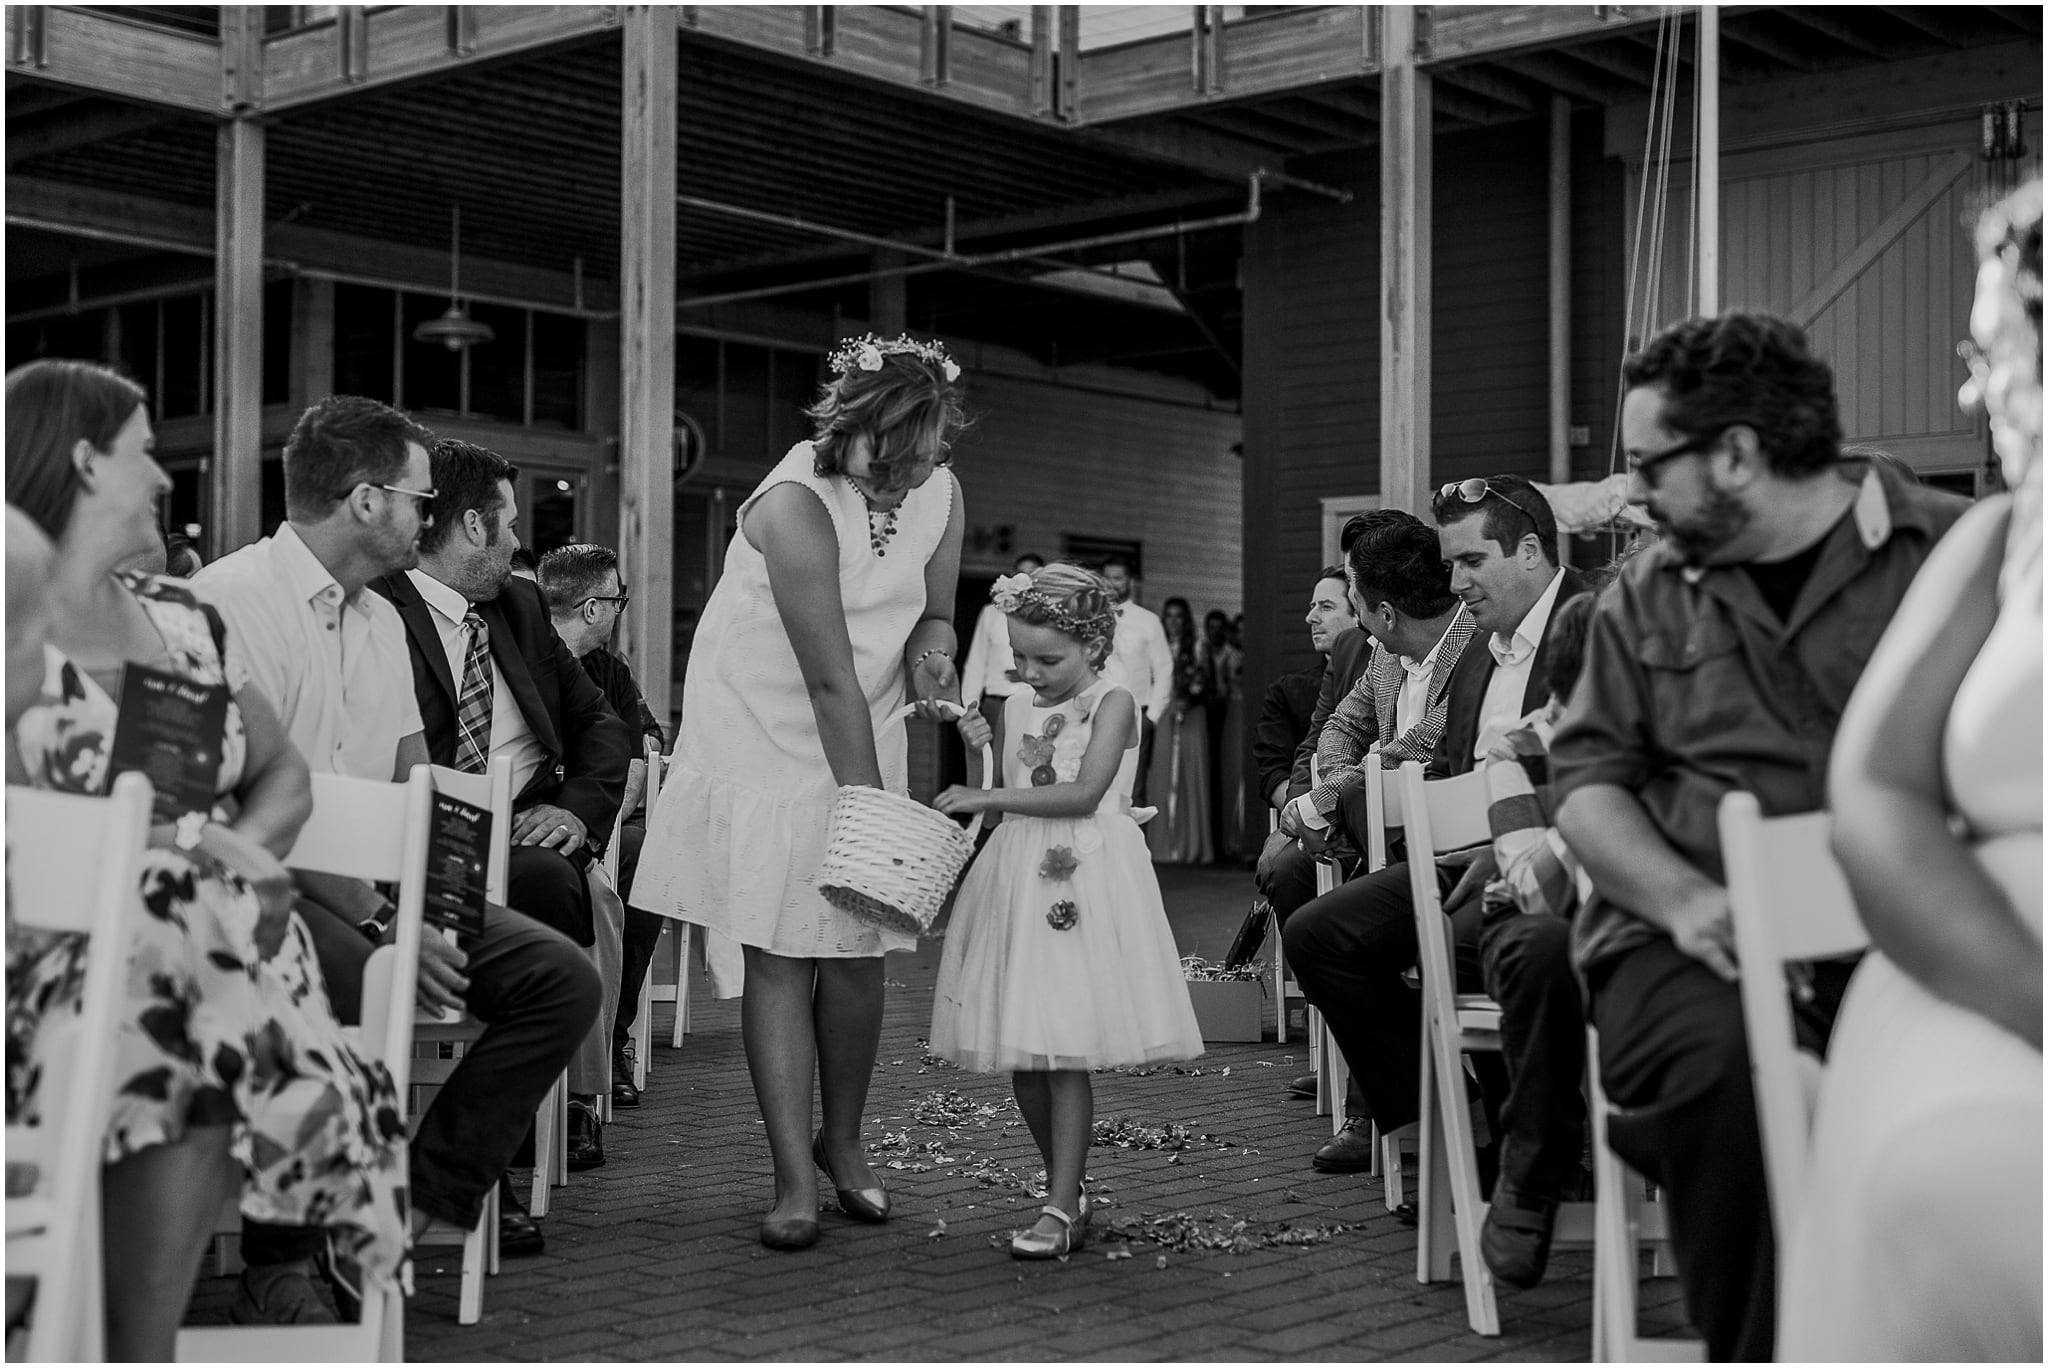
334,666
1513,658
510,734
1146,662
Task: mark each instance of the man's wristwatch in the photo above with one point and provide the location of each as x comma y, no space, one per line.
377,923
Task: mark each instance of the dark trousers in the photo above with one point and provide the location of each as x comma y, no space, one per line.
1526,965
1147,729
537,995
1348,950
643,929
1673,1055
1285,875
548,887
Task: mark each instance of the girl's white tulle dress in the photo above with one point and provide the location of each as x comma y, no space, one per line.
1059,955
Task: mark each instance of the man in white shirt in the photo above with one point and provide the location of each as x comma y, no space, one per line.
331,656
1349,948
1142,659
986,675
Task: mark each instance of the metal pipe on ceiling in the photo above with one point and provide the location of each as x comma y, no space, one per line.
975,260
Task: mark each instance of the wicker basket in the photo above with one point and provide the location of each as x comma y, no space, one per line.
890,860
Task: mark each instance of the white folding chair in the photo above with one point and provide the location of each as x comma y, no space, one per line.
636,783
1789,902
73,866
1383,815
681,942
363,829
492,791
1440,817
1625,1222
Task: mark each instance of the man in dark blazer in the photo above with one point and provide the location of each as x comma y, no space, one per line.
493,678
570,750
1349,948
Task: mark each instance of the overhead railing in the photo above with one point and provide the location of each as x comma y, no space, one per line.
1042,74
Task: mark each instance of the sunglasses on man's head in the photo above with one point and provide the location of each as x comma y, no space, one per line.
1475,491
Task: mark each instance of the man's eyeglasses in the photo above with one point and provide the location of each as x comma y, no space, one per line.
1475,491
621,599
425,496
1649,461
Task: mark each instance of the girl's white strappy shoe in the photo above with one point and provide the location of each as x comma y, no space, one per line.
1032,1245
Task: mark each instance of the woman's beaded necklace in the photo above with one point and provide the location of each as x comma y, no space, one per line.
881,521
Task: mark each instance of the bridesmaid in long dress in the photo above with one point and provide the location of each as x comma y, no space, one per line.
1920,1236
1179,782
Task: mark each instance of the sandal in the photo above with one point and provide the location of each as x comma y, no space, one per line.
1032,1245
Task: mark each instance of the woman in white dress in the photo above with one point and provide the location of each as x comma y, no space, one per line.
838,585
1920,1236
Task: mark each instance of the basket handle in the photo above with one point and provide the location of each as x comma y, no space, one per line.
988,759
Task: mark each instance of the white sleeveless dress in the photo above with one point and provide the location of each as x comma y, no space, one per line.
736,837
1920,1238
1015,991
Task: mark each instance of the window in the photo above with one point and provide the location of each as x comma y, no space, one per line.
187,357
375,355
365,331
558,349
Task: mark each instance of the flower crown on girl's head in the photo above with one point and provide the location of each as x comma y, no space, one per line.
1066,598
865,353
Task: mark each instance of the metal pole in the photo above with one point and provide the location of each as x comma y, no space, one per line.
1560,289
1708,170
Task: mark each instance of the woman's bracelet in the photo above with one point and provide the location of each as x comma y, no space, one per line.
918,664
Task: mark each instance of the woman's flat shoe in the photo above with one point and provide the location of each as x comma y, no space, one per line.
795,1232
1032,1245
863,1204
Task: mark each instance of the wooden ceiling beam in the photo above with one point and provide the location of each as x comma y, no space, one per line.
1261,54
64,130
1460,33
1493,83
1357,101
1454,102
1930,21
1823,21
2025,18
1550,70
361,50
1625,60
1748,32
61,207
88,50
1315,118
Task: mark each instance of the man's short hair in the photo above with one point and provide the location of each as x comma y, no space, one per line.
570,574
466,476
1748,368
338,443
1335,572
1395,559
1119,558
1510,507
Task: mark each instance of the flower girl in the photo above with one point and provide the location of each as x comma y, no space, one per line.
1059,958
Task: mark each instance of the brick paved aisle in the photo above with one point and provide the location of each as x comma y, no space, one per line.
653,1257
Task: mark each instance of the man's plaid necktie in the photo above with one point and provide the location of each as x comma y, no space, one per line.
473,702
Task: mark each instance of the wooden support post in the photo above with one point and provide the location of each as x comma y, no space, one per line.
935,53
352,37
1067,103
1406,169
1560,288
647,343
236,511
1707,71
1041,60
1207,43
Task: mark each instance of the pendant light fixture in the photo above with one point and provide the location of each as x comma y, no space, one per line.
454,329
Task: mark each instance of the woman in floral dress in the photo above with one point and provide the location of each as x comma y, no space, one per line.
231,1071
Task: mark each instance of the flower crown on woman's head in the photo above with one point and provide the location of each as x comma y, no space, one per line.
865,353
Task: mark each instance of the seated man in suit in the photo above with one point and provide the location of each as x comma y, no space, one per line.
1290,701
1349,948
332,658
1402,594
586,598
492,678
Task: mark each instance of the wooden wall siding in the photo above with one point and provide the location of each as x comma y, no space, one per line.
1311,336
1790,217
1053,461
